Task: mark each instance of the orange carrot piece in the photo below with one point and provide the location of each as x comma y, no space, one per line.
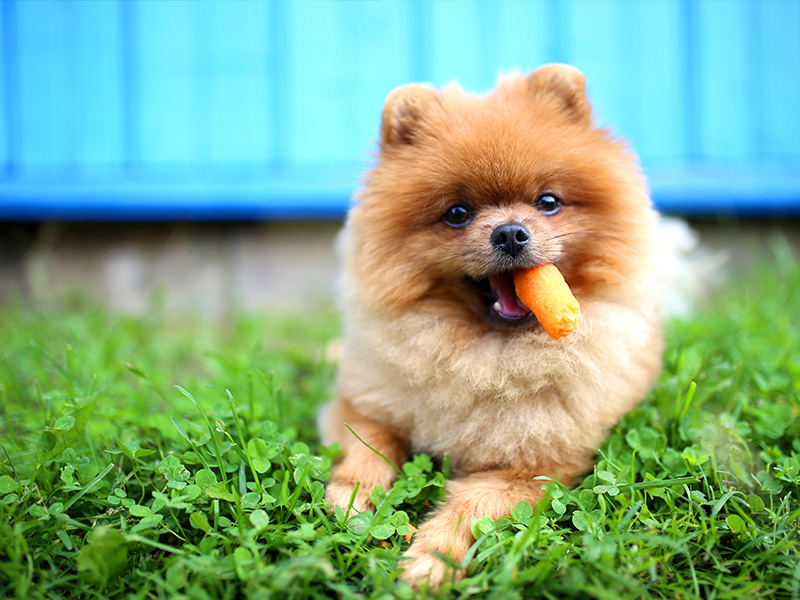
411,531
544,291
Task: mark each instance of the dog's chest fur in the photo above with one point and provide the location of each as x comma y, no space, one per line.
508,401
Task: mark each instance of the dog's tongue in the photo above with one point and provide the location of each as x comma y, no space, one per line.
509,304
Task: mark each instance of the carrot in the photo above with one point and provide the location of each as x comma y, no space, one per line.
411,531
544,291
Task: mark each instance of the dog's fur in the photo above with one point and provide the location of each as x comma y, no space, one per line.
425,367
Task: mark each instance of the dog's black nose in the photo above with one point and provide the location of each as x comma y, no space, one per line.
510,238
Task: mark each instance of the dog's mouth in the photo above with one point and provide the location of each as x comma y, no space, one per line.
503,305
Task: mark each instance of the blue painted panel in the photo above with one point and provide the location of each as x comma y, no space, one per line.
656,117
286,194
168,102
752,192
325,194
320,82
779,126
277,105
596,48
47,100
5,133
382,58
231,70
727,79
524,36
96,85
108,97
463,47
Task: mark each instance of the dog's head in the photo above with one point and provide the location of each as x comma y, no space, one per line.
467,189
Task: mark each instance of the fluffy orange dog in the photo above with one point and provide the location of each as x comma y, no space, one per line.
439,354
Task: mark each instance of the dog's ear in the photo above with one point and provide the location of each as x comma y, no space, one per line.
564,83
404,113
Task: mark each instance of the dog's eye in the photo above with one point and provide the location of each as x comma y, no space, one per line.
457,215
548,204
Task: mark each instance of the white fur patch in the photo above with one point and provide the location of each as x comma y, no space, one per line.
688,271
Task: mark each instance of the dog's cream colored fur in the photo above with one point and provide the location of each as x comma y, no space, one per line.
419,374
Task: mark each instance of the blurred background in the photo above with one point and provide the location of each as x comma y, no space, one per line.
206,150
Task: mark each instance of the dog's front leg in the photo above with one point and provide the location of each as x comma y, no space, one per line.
360,462
448,531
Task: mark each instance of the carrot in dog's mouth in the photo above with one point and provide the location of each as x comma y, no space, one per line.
544,290
532,294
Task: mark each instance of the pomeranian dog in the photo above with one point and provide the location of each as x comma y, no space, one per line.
439,354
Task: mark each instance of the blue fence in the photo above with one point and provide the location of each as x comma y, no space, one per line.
181,109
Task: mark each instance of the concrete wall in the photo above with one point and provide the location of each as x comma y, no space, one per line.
217,268
210,268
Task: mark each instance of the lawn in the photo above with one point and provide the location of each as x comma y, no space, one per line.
163,457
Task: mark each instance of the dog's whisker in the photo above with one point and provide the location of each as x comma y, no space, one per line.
428,199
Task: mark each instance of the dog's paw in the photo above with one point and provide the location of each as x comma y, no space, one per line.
424,569
340,493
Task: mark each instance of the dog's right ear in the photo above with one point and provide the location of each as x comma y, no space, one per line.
563,83
404,113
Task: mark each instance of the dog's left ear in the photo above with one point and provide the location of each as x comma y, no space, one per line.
566,84
403,118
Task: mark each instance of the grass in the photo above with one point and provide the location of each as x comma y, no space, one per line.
160,458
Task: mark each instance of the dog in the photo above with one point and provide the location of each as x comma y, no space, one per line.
438,354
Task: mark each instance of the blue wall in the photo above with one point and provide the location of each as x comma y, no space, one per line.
170,109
